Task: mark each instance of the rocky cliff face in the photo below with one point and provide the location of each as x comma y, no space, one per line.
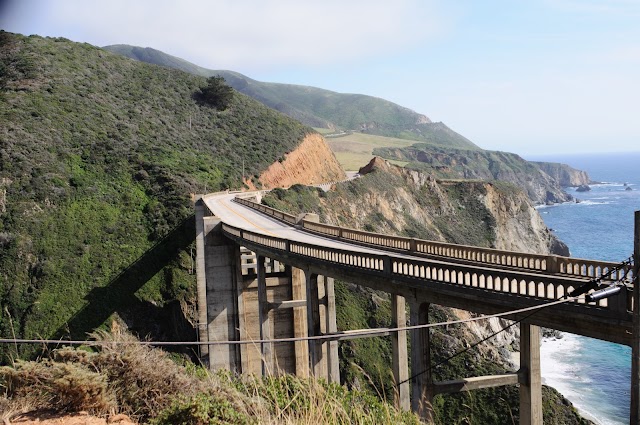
488,165
312,162
565,175
397,200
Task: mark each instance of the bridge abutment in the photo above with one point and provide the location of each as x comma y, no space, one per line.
216,274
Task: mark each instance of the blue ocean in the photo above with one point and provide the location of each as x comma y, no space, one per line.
593,374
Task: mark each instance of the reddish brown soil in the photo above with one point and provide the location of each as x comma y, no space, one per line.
42,418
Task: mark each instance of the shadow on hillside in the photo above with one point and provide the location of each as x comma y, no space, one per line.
119,294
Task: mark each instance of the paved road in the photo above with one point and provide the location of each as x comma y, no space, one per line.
246,218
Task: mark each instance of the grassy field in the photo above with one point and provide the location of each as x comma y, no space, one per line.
355,150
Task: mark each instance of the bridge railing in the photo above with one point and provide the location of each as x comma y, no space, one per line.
516,260
514,282
277,214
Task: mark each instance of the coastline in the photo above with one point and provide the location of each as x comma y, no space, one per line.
560,364
555,370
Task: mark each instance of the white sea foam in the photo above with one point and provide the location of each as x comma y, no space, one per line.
592,202
605,184
559,359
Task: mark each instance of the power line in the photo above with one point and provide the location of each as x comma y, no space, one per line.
333,336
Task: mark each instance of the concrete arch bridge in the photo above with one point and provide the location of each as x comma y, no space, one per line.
265,275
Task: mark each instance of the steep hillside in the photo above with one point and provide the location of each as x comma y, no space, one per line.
318,107
392,200
485,165
312,162
98,156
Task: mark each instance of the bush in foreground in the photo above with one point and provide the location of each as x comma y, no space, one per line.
146,384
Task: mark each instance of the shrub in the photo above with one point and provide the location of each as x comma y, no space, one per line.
144,380
61,386
217,93
201,409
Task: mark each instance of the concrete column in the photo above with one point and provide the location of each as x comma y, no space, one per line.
201,283
298,292
242,350
530,379
333,363
313,325
263,318
422,385
400,353
222,309
634,417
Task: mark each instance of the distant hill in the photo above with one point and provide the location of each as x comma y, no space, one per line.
98,155
318,107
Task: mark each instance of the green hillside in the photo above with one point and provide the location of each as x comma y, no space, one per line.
318,107
98,156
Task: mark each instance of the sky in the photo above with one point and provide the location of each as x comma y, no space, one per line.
533,77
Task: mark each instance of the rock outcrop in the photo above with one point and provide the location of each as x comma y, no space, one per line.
564,174
312,162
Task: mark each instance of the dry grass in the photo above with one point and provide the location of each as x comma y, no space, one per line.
147,385
61,386
356,150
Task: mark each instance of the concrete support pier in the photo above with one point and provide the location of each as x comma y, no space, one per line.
316,362
422,384
400,353
301,348
201,282
263,318
216,274
529,375
333,363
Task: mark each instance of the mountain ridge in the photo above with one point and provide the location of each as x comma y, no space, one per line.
318,107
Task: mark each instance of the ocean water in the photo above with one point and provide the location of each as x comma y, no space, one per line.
593,374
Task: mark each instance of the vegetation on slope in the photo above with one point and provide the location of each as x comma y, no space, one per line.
318,107
451,212
147,385
98,156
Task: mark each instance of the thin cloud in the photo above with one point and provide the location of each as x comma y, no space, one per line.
626,8
266,34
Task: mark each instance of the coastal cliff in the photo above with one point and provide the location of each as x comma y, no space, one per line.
394,200
455,164
564,174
